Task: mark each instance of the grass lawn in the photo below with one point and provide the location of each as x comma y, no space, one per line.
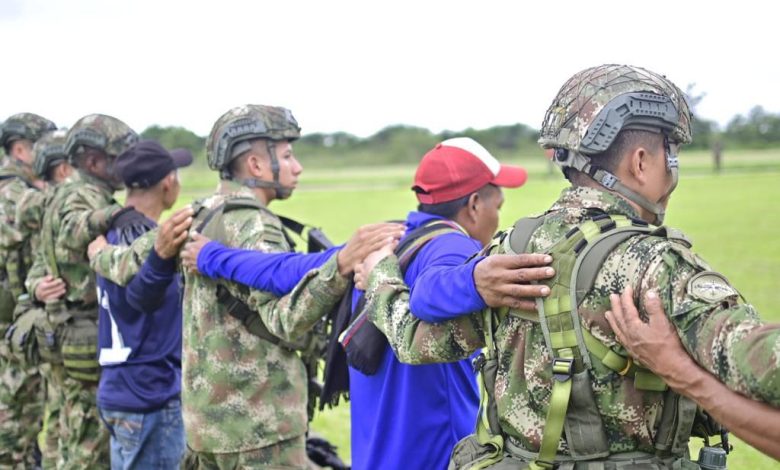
729,216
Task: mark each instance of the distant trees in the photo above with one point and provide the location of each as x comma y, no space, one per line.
407,144
759,129
176,137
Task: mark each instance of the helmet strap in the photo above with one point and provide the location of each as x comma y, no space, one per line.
611,182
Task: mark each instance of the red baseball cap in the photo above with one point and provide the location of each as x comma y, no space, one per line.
457,167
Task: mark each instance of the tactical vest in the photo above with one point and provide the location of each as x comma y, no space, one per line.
310,347
577,259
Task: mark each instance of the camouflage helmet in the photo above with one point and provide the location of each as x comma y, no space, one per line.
24,126
49,150
232,132
102,132
597,103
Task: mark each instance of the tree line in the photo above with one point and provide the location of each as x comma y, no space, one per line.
405,144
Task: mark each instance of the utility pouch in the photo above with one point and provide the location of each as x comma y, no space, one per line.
584,431
79,348
469,454
21,335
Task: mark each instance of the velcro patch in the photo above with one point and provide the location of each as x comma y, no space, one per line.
711,287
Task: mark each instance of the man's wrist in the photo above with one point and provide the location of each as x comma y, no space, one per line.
160,263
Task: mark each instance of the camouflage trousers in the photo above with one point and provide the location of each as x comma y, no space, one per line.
285,455
84,440
21,407
53,376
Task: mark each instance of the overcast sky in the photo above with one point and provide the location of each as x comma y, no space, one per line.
359,66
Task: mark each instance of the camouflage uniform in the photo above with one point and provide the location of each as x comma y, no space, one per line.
78,211
20,385
723,334
243,398
29,221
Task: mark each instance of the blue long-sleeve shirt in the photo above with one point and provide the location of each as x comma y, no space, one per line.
403,416
139,333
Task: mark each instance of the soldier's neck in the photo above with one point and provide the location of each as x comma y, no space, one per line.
147,203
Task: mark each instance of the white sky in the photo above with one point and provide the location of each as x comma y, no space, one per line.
359,66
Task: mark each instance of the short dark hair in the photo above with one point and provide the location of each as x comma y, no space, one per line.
48,175
235,165
450,209
610,159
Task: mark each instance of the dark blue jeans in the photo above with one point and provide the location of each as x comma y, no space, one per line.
152,440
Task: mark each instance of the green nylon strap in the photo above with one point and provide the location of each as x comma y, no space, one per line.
556,413
94,377
80,363
644,379
80,349
557,304
563,339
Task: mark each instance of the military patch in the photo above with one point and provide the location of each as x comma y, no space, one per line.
710,287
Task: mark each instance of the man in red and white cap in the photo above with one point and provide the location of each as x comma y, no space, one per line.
407,416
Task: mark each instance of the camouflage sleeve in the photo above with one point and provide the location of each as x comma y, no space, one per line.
291,316
119,264
721,332
85,216
36,273
413,340
29,214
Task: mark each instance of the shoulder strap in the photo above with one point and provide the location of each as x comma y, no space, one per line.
408,249
7,176
523,231
234,306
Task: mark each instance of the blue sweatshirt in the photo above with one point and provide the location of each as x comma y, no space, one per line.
404,416
139,333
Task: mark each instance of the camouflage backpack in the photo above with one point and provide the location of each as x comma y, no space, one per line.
577,259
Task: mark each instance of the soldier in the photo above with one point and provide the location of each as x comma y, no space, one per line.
79,210
51,165
244,388
20,384
559,389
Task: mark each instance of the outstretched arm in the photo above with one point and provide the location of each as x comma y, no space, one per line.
656,345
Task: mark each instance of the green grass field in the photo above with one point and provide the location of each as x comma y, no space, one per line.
729,216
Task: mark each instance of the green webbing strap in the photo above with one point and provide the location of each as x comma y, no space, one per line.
563,369
485,435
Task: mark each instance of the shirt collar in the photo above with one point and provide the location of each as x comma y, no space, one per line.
587,200
81,175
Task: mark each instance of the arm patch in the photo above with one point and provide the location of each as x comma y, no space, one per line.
711,287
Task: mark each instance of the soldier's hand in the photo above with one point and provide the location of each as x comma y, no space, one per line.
173,233
366,239
504,280
363,270
96,245
189,254
50,288
654,343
